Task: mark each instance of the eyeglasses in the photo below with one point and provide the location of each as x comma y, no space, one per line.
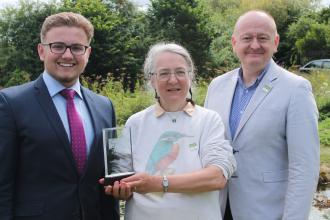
60,48
164,75
261,38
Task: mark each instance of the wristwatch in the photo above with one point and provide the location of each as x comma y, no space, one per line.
165,183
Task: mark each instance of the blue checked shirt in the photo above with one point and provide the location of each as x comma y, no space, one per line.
242,98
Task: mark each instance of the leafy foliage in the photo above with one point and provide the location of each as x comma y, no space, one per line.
184,22
199,92
18,77
19,35
308,36
324,15
320,82
324,132
125,103
325,111
225,13
123,34
118,41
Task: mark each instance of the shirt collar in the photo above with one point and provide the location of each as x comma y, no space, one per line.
54,86
188,109
259,78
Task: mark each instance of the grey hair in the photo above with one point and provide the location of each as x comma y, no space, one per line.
155,50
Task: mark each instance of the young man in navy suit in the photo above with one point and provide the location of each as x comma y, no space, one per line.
40,175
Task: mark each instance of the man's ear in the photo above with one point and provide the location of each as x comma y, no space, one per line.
233,42
89,51
276,42
41,52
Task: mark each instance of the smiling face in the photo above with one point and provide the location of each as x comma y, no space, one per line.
172,92
255,40
66,67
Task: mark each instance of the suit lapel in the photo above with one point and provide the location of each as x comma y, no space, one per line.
49,108
263,89
227,99
95,121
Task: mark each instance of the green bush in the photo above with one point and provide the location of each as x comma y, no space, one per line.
199,92
16,78
125,103
324,111
324,132
320,81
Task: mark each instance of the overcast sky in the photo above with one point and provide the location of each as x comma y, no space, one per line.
140,3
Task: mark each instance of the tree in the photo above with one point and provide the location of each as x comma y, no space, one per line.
117,48
224,14
324,15
308,36
19,36
183,22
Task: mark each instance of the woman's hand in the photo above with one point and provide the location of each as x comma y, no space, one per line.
144,183
119,190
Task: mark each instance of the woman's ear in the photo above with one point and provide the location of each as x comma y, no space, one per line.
153,81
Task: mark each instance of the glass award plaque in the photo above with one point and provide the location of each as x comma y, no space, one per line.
118,159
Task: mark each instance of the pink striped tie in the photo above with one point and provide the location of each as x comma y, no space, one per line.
78,141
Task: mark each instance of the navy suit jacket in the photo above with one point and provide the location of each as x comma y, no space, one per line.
38,176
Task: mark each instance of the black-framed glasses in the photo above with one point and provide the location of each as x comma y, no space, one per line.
165,75
60,48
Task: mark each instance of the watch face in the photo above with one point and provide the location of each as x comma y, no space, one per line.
165,183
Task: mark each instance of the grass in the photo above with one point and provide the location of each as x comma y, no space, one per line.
321,86
325,156
324,133
320,81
